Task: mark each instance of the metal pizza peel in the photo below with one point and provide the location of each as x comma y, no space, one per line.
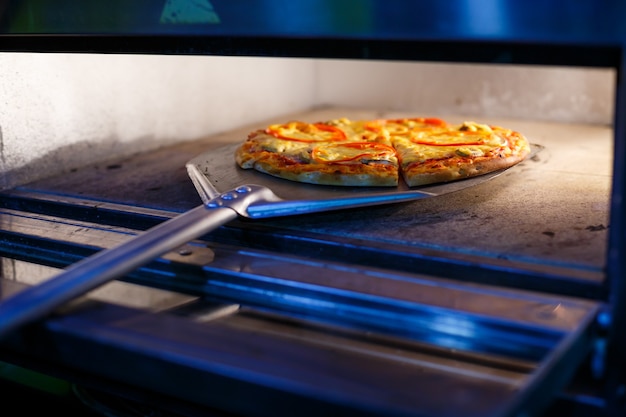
227,192
215,173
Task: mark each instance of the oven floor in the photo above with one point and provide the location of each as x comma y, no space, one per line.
551,211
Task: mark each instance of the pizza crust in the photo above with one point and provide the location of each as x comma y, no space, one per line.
453,170
373,175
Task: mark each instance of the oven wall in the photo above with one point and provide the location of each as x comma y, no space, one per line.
60,111
558,94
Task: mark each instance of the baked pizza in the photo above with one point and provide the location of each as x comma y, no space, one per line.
379,152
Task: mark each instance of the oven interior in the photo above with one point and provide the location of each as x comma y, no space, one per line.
504,299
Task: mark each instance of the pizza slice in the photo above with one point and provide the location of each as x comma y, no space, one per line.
456,152
333,153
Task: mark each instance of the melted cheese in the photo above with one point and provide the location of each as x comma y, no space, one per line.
273,144
360,130
307,132
413,140
467,140
354,152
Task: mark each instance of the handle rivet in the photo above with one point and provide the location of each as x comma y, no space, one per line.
243,189
215,203
229,196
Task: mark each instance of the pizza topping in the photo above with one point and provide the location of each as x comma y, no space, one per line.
353,152
417,122
469,152
361,130
282,146
404,127
448,141
375,152
474,127
468,134
306,132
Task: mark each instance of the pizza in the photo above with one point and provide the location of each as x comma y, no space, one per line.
380,152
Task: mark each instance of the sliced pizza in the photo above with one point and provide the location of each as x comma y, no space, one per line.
319,153
457,152
378,152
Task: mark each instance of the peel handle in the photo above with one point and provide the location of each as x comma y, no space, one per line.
37,301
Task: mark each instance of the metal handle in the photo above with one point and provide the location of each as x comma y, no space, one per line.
37,301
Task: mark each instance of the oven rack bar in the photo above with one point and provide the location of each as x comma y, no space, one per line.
545,278
332,291
284,362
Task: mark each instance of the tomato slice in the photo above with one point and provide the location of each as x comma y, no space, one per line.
351,151
374,125
306,132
